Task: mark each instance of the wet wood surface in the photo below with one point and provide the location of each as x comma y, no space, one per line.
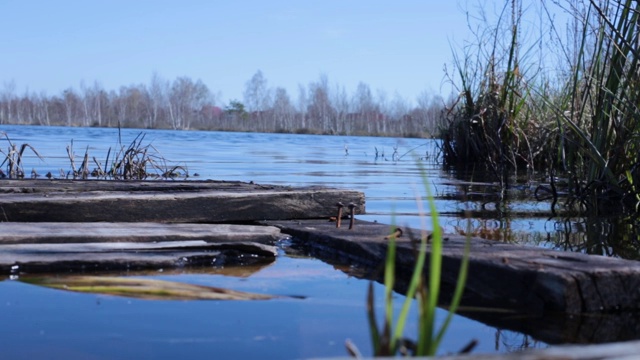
166,201
59,233
554,296
622,350
89,247
524,278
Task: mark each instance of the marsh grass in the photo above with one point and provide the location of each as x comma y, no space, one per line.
140,161
490,121
602,112
583,127
136,161
13,158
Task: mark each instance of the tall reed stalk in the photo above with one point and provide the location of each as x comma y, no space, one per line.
602,116
13,158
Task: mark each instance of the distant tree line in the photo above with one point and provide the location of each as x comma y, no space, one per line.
187,104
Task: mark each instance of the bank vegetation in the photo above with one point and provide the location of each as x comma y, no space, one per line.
560,98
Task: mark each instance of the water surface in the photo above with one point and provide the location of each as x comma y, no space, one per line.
45,322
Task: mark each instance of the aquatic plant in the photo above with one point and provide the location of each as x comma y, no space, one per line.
600,118
390,340
137,161
584,125
490,121
14,158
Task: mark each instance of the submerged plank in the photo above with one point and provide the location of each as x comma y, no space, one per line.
615,351
166,201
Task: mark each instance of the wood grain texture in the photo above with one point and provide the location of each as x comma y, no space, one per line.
166,201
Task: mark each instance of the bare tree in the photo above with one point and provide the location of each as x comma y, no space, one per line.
8,98
302,106
429,109
320,109
257,98
157,101
186,99
41,109
72,104
342,107
283,111
366,110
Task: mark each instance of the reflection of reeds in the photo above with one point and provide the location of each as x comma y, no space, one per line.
14,158
612,236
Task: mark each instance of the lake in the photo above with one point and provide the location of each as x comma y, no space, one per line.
47,323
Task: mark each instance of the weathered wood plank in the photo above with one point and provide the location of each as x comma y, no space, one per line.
166,201
556,297
524,278
38,247
90,257
618,351
53,232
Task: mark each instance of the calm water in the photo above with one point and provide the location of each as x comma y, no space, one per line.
50,323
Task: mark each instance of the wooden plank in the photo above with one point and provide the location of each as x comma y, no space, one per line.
52,232
166,201
556,297
18,259
618,351
506,276
47,247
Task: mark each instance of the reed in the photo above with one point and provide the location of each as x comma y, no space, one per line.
584,126
495,118
602,153
13,158
136,161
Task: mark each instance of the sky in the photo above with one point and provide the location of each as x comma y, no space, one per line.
399,47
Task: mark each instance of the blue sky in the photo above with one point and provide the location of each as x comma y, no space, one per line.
396,46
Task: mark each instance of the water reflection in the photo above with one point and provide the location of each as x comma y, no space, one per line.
509,341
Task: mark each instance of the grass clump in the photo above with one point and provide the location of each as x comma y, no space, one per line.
13,158
137,161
